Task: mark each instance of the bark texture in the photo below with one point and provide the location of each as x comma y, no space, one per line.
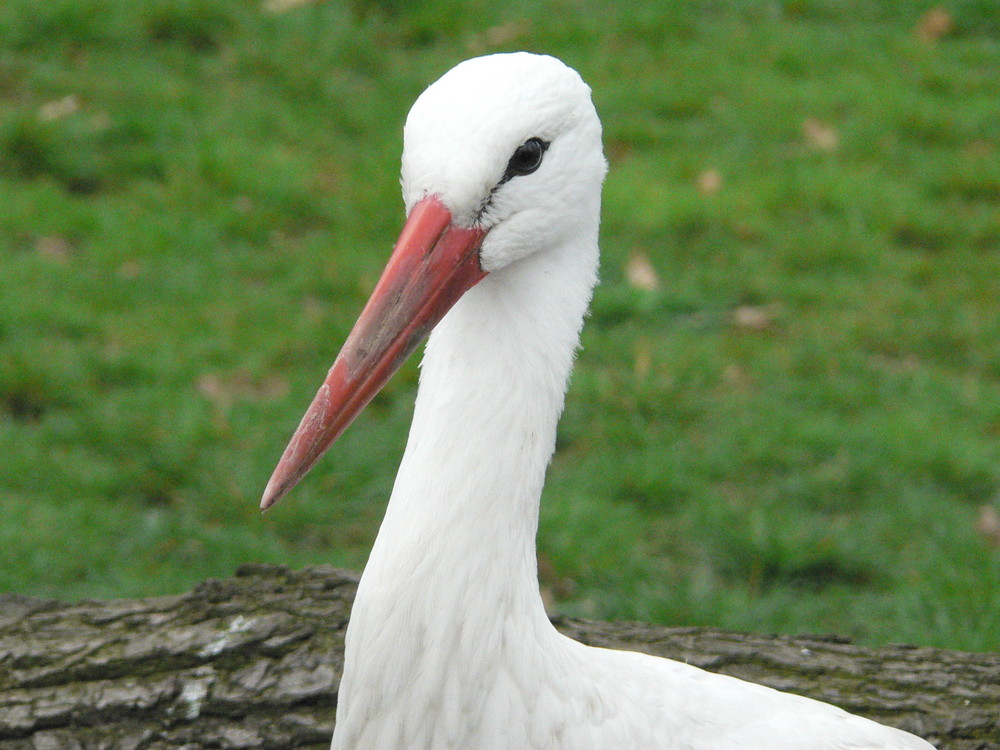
254,662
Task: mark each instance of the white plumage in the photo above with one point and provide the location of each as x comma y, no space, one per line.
449,646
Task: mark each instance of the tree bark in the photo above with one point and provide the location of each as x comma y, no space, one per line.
254,662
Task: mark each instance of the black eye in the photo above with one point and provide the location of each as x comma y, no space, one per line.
526,159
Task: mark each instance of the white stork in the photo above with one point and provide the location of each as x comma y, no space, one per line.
449,646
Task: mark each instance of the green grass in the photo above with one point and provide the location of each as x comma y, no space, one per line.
794,432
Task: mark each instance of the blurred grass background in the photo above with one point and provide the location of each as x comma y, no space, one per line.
786,413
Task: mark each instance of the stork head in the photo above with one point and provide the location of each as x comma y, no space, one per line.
511,144
502,159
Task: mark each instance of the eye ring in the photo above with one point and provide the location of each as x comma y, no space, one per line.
526,159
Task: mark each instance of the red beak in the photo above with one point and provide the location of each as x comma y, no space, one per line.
433,264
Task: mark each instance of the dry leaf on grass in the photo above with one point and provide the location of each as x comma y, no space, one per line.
222,389
988,525
130,270
819,135
507,32
934,24
640,273
754,317
498,36
280,6
59,108
709,182
53,247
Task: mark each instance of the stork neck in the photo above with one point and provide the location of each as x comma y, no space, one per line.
465,504
450,592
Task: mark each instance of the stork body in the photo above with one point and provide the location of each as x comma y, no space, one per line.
449,645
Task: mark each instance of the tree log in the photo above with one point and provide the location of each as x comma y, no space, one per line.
254,662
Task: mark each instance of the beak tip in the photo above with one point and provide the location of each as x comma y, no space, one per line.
272,494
